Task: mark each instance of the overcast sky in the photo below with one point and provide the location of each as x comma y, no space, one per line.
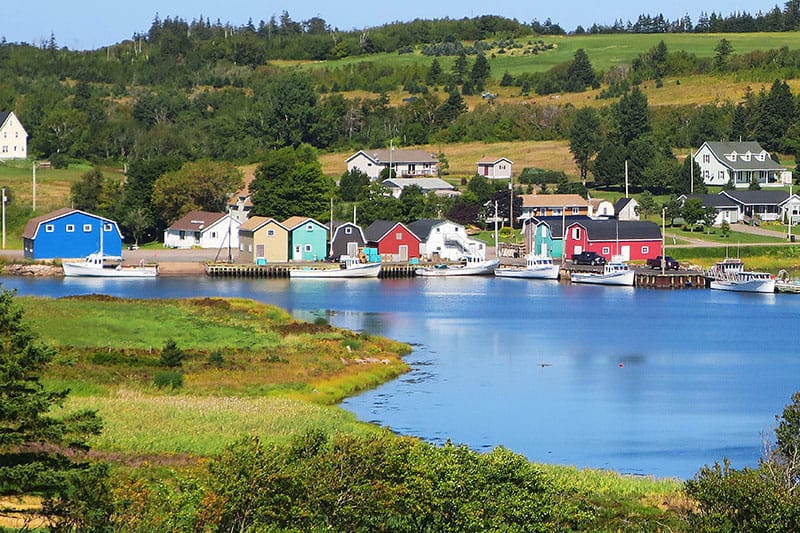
90,24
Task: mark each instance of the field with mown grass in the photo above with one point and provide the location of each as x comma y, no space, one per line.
763,258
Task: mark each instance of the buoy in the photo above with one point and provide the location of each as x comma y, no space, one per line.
621,365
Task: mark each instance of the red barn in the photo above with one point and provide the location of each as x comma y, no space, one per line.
393,240
632,239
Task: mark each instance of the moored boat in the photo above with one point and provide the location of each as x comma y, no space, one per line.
615,272
349,267
98,265
536,267
473,266
730,275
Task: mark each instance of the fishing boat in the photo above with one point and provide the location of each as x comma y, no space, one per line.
783,283
349,267
730,275
472,266
615,272
98,265
536,267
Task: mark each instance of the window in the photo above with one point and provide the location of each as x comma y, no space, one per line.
182,234
348,230
576,210
398,236
576,233
706,158
213,234
721,174
270,233
557,211
49,228
5,149
307,248
108,227
606,250
87,228
645,250
70,228
309,227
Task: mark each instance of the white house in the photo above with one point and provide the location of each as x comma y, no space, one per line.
600,208
405,163
727,209
446,240
435,185
13,138
203,230
495,168
742,162
626,209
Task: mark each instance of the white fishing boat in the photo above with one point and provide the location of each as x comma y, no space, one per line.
615,272
98,265
472,266
536,267
349,267
730,275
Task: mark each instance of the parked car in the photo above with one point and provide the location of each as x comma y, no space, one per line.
588,258
669,263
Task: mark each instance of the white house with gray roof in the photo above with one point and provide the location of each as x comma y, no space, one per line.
13,138
405,163
721,162
434,185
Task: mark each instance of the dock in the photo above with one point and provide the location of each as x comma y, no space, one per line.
281,270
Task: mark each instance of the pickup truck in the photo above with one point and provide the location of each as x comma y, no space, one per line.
669,263
588,258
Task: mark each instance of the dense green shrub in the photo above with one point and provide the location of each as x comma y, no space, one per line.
168,379
171,355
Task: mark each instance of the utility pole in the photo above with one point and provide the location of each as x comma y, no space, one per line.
788,210
4,217
34,185
626,179
511,204
691,172
663,241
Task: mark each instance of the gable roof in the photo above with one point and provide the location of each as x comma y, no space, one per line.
35,223
722,149
555,223
292,223
341,225
489,161
426,184
748,197
380,228
628,230
422,228
196,221
5,115
622,203
553,200
712,200
255,223
398,156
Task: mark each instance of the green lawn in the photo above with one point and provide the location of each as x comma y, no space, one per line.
715,236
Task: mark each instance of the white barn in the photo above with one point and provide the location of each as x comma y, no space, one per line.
203,229
446,240
13,137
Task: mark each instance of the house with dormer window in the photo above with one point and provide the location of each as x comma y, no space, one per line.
741,163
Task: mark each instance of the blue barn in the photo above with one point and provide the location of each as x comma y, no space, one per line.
70,233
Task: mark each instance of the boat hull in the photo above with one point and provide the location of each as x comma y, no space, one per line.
550,272
367,270
758,285
83,270
484,268
616,278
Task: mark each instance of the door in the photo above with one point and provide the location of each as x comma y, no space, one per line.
298,252
625,250
403,251
259,250
352,249
543,248
577,250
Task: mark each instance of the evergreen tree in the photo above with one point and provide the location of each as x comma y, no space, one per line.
34,442
450,109
585,138
632,115
723,50
171,355
460,68
776,113
507,79
480,72
434,76
580,74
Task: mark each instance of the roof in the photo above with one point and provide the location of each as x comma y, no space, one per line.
488,161
256,222
3,116
554,223
722,149
553,200
426,184
627,230
398,156
33,224
714,200
422,228
378,230
243,193
347,224
622,203
295,221
196,221
747,197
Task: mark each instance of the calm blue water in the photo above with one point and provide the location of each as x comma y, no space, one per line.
639,381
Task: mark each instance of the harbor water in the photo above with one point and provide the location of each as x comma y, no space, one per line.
640,381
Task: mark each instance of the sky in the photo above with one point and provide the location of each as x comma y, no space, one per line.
92,24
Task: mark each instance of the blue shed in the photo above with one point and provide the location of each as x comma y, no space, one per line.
70,233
